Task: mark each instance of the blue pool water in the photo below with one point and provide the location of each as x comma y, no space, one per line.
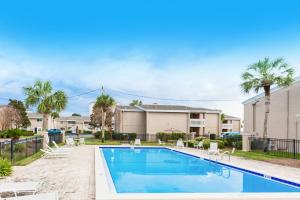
160,170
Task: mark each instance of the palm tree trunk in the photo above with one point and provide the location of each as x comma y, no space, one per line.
45,122
103,124
267,110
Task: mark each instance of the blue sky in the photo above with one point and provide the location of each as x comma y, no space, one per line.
170,49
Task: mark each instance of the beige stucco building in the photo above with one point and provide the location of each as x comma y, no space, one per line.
284,114
36,120
231,124
72,122
147,120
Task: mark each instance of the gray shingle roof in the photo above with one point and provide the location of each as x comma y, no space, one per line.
74,118
159,107
231,117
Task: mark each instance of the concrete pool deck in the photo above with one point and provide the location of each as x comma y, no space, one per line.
73,177
105,190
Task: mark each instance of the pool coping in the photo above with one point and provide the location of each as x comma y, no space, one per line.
104,184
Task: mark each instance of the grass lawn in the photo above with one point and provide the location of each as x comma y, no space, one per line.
29,159
259,155
95,141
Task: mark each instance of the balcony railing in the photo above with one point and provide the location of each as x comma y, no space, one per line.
197,123
227,126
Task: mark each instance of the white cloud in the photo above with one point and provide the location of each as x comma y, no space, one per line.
180,78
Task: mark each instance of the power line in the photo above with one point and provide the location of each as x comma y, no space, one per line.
146,97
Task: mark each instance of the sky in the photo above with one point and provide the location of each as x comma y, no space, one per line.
171,49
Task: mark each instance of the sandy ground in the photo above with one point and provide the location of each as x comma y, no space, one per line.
71,177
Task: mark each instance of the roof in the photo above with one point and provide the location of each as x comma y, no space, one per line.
275,89
74,118
165,108
231,117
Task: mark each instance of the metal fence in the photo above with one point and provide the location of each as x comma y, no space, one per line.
16,150
288,148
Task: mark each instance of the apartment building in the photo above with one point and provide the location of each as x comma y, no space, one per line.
147,120
36,120
231,124
284,113
71,123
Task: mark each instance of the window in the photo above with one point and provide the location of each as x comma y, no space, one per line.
39,119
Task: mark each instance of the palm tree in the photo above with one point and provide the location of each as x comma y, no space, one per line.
54,115
136,102
104,102
41,94
263,75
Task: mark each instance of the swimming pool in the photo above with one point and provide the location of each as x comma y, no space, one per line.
162,170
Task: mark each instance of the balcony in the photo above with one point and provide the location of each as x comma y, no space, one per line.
227,126
197,123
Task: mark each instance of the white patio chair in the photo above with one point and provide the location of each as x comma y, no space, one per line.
18,187
45,196
81,141
50,154
137,142
160,142
179,143
213,149
229,153
61,148
58,150
70,142
199,145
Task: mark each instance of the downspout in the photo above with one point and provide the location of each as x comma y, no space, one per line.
288,115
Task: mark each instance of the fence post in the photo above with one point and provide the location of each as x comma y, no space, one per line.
11,150
36,143
26,152
294,148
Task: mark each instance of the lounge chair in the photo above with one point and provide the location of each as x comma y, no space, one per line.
179,143
62,148
70,142
137,142
50,154
45,196
56,149
199,145
81,141
229,153
160,142
213,149
18,187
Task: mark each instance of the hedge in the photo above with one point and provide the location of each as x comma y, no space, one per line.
116,135
15,133
163,136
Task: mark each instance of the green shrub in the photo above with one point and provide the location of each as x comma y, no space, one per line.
206,143
87,132
238,145
163,136
98,135
190,143
14,133
221,144
5,167
230,140
200,138
115,135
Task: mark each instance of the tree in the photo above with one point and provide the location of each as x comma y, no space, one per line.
103,106
9,117
96,119
136,102
76,114
21,109
54,115
263,75
222,117
46,100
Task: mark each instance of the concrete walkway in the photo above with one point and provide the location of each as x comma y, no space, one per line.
284,172
72,177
